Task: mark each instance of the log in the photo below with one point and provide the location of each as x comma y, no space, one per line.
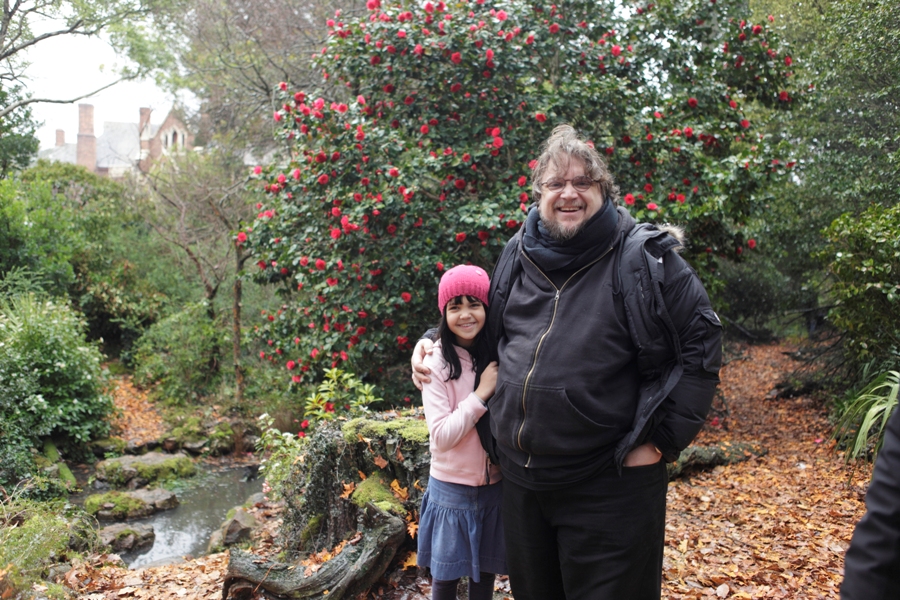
696,458
359,564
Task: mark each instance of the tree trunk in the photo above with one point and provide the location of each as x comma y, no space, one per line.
236,331
359,564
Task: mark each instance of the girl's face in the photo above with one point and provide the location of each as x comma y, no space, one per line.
465,318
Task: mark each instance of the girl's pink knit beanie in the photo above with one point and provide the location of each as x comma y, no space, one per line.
463,280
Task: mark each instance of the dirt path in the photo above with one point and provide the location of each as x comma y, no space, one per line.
136,420
773,527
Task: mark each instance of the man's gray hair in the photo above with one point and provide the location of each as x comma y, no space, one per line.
563,145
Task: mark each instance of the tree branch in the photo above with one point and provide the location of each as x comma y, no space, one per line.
8,109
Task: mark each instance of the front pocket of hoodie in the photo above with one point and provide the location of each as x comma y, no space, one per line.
544,421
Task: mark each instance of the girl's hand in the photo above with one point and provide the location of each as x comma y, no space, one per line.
420,373
488,382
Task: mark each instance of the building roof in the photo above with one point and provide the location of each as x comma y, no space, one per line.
118,146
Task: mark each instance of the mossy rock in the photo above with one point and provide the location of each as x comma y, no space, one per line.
123,505
375,490
190,430
107,446
410,429
151,467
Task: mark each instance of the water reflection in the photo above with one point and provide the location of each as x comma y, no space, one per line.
204,502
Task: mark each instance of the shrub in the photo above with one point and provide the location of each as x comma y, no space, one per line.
863,255
50,374
35,536
181,355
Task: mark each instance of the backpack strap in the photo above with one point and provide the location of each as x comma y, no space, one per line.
641,276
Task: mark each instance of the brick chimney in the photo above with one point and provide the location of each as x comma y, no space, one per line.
144,134
86,150
60,138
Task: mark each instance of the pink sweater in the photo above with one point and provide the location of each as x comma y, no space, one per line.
451,410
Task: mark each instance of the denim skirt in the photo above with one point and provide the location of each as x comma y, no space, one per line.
461,530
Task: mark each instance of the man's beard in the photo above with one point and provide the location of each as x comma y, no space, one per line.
560,233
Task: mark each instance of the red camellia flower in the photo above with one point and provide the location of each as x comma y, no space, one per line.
314,352
498,142
688,132
757,29
788,60
554,28
290,365
751,243
394,172
616,50
335,233
460,184
304,260
648,188
392,229
329,407
456,57
375,60
501,15
323,179
460,237
402,340
418,50
305,423
529,40
241,237
680,198
745,123
783,96
455,87
440,266
320,264
522,180
424,129
652,206
541,117
257,170
692,102
406,296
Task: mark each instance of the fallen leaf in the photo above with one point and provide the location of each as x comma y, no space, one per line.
400,493
348,489
380,462
409,561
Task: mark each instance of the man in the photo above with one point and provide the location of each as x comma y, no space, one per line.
872,565
583,417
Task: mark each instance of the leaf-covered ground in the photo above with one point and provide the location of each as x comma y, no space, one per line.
775,526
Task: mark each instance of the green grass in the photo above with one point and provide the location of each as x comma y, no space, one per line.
862,422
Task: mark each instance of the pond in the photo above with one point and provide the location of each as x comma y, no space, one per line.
204,501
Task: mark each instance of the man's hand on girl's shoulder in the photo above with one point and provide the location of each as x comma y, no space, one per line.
420,372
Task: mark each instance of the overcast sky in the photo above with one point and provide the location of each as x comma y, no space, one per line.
66,67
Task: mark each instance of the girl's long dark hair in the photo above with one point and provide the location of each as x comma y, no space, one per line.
480,348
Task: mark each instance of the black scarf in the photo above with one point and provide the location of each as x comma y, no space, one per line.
594,239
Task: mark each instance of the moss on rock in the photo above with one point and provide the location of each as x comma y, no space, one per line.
172,468
376,491
410,429
123,504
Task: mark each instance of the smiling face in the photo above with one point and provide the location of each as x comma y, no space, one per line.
565,212
465,318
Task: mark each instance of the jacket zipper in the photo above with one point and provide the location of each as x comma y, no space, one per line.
543,336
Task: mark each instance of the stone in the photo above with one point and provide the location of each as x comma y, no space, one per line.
58,571
195,448
216,542
125,537
170,444
238,528
158,498
151,466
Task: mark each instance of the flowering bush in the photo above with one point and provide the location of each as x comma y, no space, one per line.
339,395
418,155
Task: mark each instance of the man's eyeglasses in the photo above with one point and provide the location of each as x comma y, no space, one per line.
581,184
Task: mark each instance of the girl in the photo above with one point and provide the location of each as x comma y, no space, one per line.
460,528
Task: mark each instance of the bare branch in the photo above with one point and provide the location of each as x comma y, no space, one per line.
8,109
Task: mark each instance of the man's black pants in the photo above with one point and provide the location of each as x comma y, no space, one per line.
601,539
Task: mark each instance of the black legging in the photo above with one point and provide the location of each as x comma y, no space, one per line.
446,590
